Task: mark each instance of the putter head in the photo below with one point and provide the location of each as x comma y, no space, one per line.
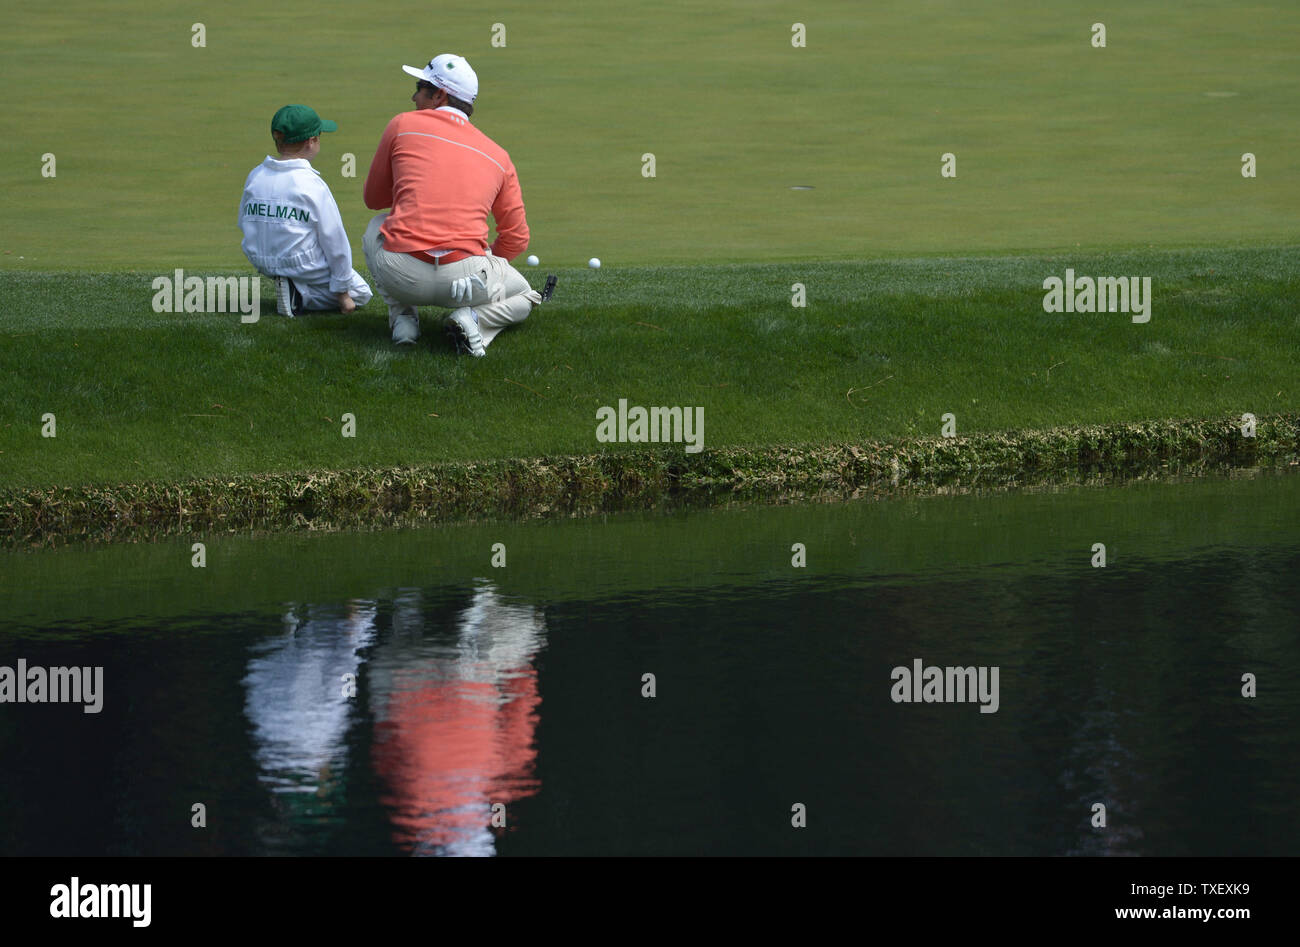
550,287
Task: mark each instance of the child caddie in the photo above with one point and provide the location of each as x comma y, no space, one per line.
292,228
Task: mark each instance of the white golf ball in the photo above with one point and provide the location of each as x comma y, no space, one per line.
594,263
532,260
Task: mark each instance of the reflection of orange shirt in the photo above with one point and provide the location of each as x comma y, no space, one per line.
450,749
442,177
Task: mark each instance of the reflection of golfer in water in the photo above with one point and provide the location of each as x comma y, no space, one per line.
454,724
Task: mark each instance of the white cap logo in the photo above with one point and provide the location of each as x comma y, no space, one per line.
450,72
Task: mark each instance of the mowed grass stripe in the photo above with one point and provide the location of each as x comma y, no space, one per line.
1058,144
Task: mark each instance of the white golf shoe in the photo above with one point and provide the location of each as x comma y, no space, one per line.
288,301
405,326
462,328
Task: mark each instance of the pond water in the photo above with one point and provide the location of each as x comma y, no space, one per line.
482,689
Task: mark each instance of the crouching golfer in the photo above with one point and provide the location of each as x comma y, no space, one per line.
292,228
442,177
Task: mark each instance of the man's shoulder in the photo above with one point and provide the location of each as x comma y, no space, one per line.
481,140
454,126
402,120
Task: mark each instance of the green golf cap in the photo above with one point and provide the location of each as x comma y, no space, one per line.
298,123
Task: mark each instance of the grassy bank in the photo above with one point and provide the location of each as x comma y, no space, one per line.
640,480
880,353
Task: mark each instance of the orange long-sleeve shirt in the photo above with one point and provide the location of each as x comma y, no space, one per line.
442,177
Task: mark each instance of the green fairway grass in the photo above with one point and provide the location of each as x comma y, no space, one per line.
881,350
1058,144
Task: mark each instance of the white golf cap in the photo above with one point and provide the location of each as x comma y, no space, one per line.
451,72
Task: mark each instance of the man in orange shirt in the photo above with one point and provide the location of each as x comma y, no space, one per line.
442,177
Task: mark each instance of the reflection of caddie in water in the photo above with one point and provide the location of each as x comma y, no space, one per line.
294,695
442,177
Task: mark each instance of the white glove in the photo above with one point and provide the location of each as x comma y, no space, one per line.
463,288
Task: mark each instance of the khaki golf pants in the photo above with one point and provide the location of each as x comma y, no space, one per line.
405,282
